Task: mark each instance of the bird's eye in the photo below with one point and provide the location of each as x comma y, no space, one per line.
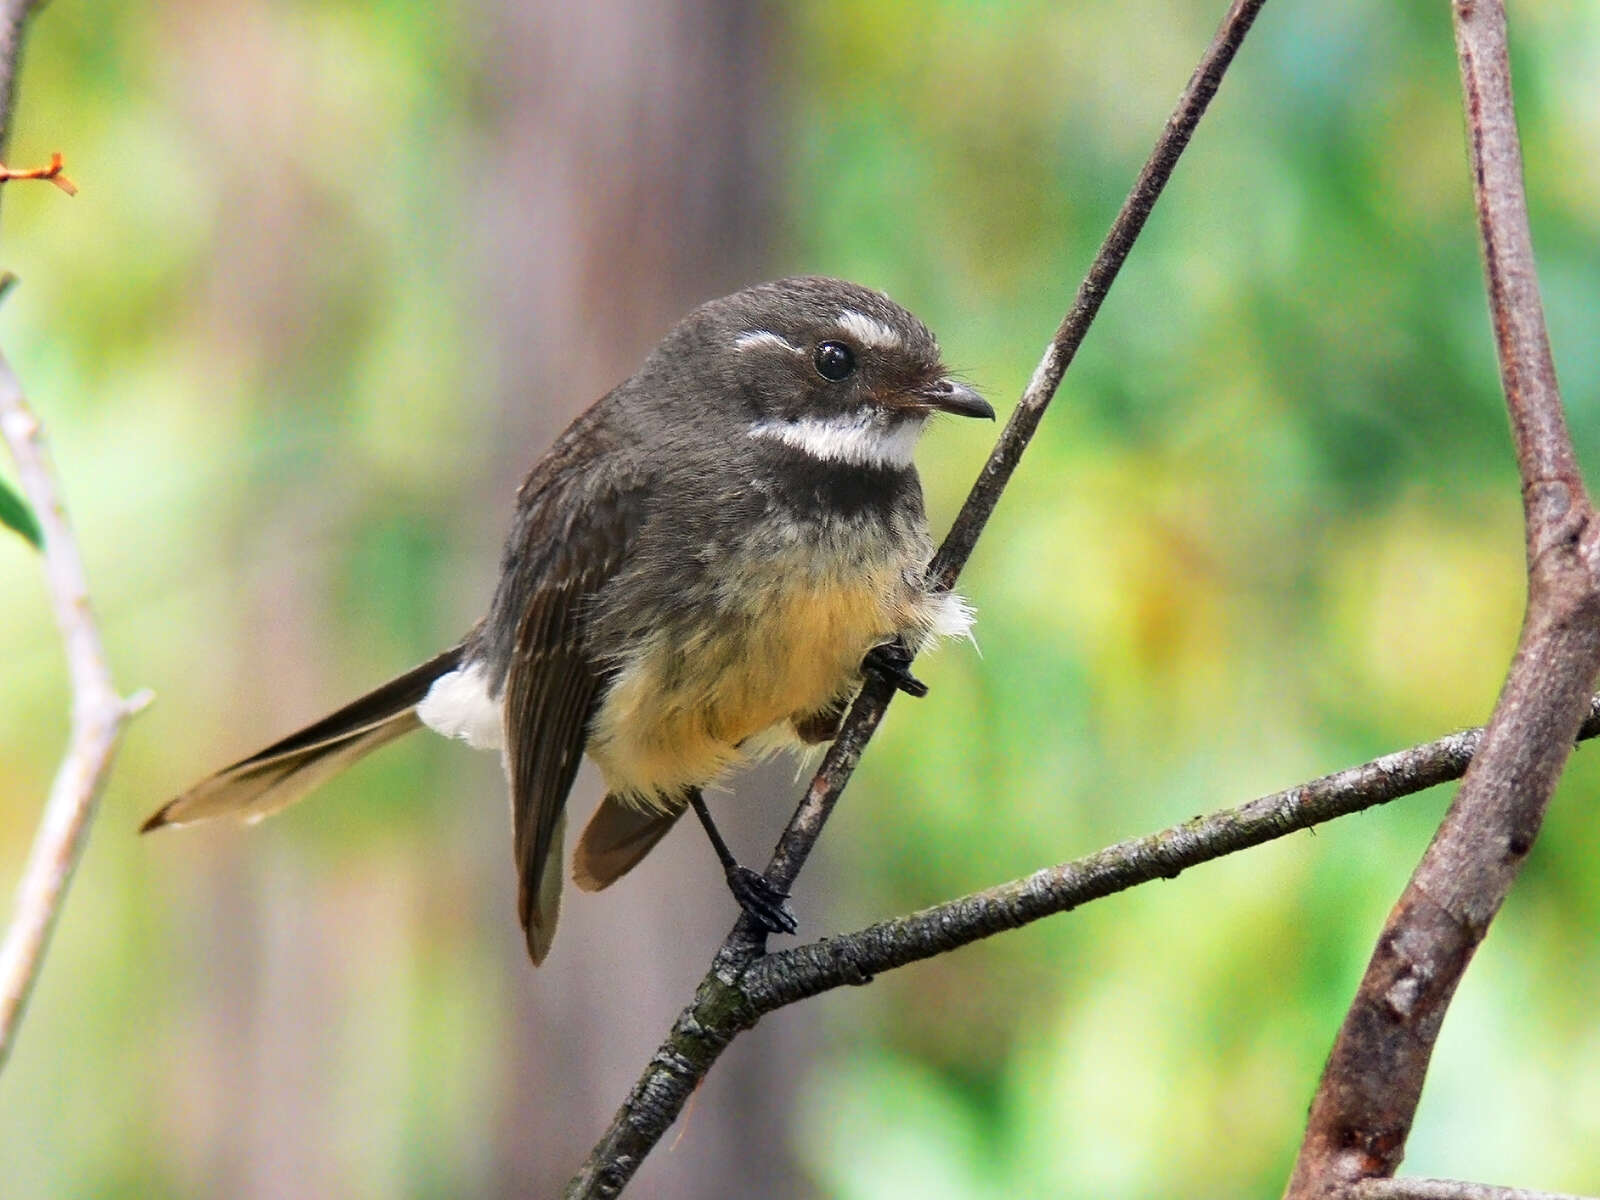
835,361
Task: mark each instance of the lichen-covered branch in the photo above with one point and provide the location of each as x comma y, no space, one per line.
1364,1107
741,989
789,975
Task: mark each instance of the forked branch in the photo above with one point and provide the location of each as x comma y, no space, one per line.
1367,1100
98,712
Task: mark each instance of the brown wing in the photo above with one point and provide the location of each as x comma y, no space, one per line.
551,690
573,527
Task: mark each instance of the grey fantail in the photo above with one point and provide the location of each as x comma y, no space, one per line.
699,571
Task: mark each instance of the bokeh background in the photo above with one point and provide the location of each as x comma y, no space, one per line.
338,273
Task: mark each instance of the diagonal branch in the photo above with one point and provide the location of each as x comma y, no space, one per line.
1367,1099
718,1012
866,714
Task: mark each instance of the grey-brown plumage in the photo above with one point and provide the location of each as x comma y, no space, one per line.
694,573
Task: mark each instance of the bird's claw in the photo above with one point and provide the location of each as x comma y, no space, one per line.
761,901
891,662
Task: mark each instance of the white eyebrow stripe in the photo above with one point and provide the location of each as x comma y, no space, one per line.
859,441
757,338
869,331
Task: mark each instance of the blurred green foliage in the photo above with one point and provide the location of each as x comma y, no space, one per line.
1270,529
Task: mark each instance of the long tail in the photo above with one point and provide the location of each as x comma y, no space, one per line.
285,771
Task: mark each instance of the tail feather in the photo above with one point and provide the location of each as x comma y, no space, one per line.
289,769
617,837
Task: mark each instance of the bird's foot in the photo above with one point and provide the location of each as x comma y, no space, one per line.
891,662
761,901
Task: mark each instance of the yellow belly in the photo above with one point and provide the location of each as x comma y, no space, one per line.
681,712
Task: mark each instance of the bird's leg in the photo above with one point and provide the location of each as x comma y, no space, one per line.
891,662
761,901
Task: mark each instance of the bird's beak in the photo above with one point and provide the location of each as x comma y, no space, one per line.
946,395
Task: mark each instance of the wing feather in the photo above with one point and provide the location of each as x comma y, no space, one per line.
568,542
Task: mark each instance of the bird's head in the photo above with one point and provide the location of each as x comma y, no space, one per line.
833,369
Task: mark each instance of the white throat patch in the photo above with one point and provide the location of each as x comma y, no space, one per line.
856,439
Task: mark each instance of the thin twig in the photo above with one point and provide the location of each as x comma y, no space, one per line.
1367,1100
52,173
98,714
1446,1189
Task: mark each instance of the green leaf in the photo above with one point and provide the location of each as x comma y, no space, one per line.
15,514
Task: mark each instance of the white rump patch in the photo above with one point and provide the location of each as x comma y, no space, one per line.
856,439
759,338
869,331
458,705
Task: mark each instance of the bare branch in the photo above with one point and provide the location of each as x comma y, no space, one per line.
1446,1189
98,714
790,975
1367,1099
699,1036
1551,482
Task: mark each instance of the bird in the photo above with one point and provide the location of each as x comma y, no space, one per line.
702,569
